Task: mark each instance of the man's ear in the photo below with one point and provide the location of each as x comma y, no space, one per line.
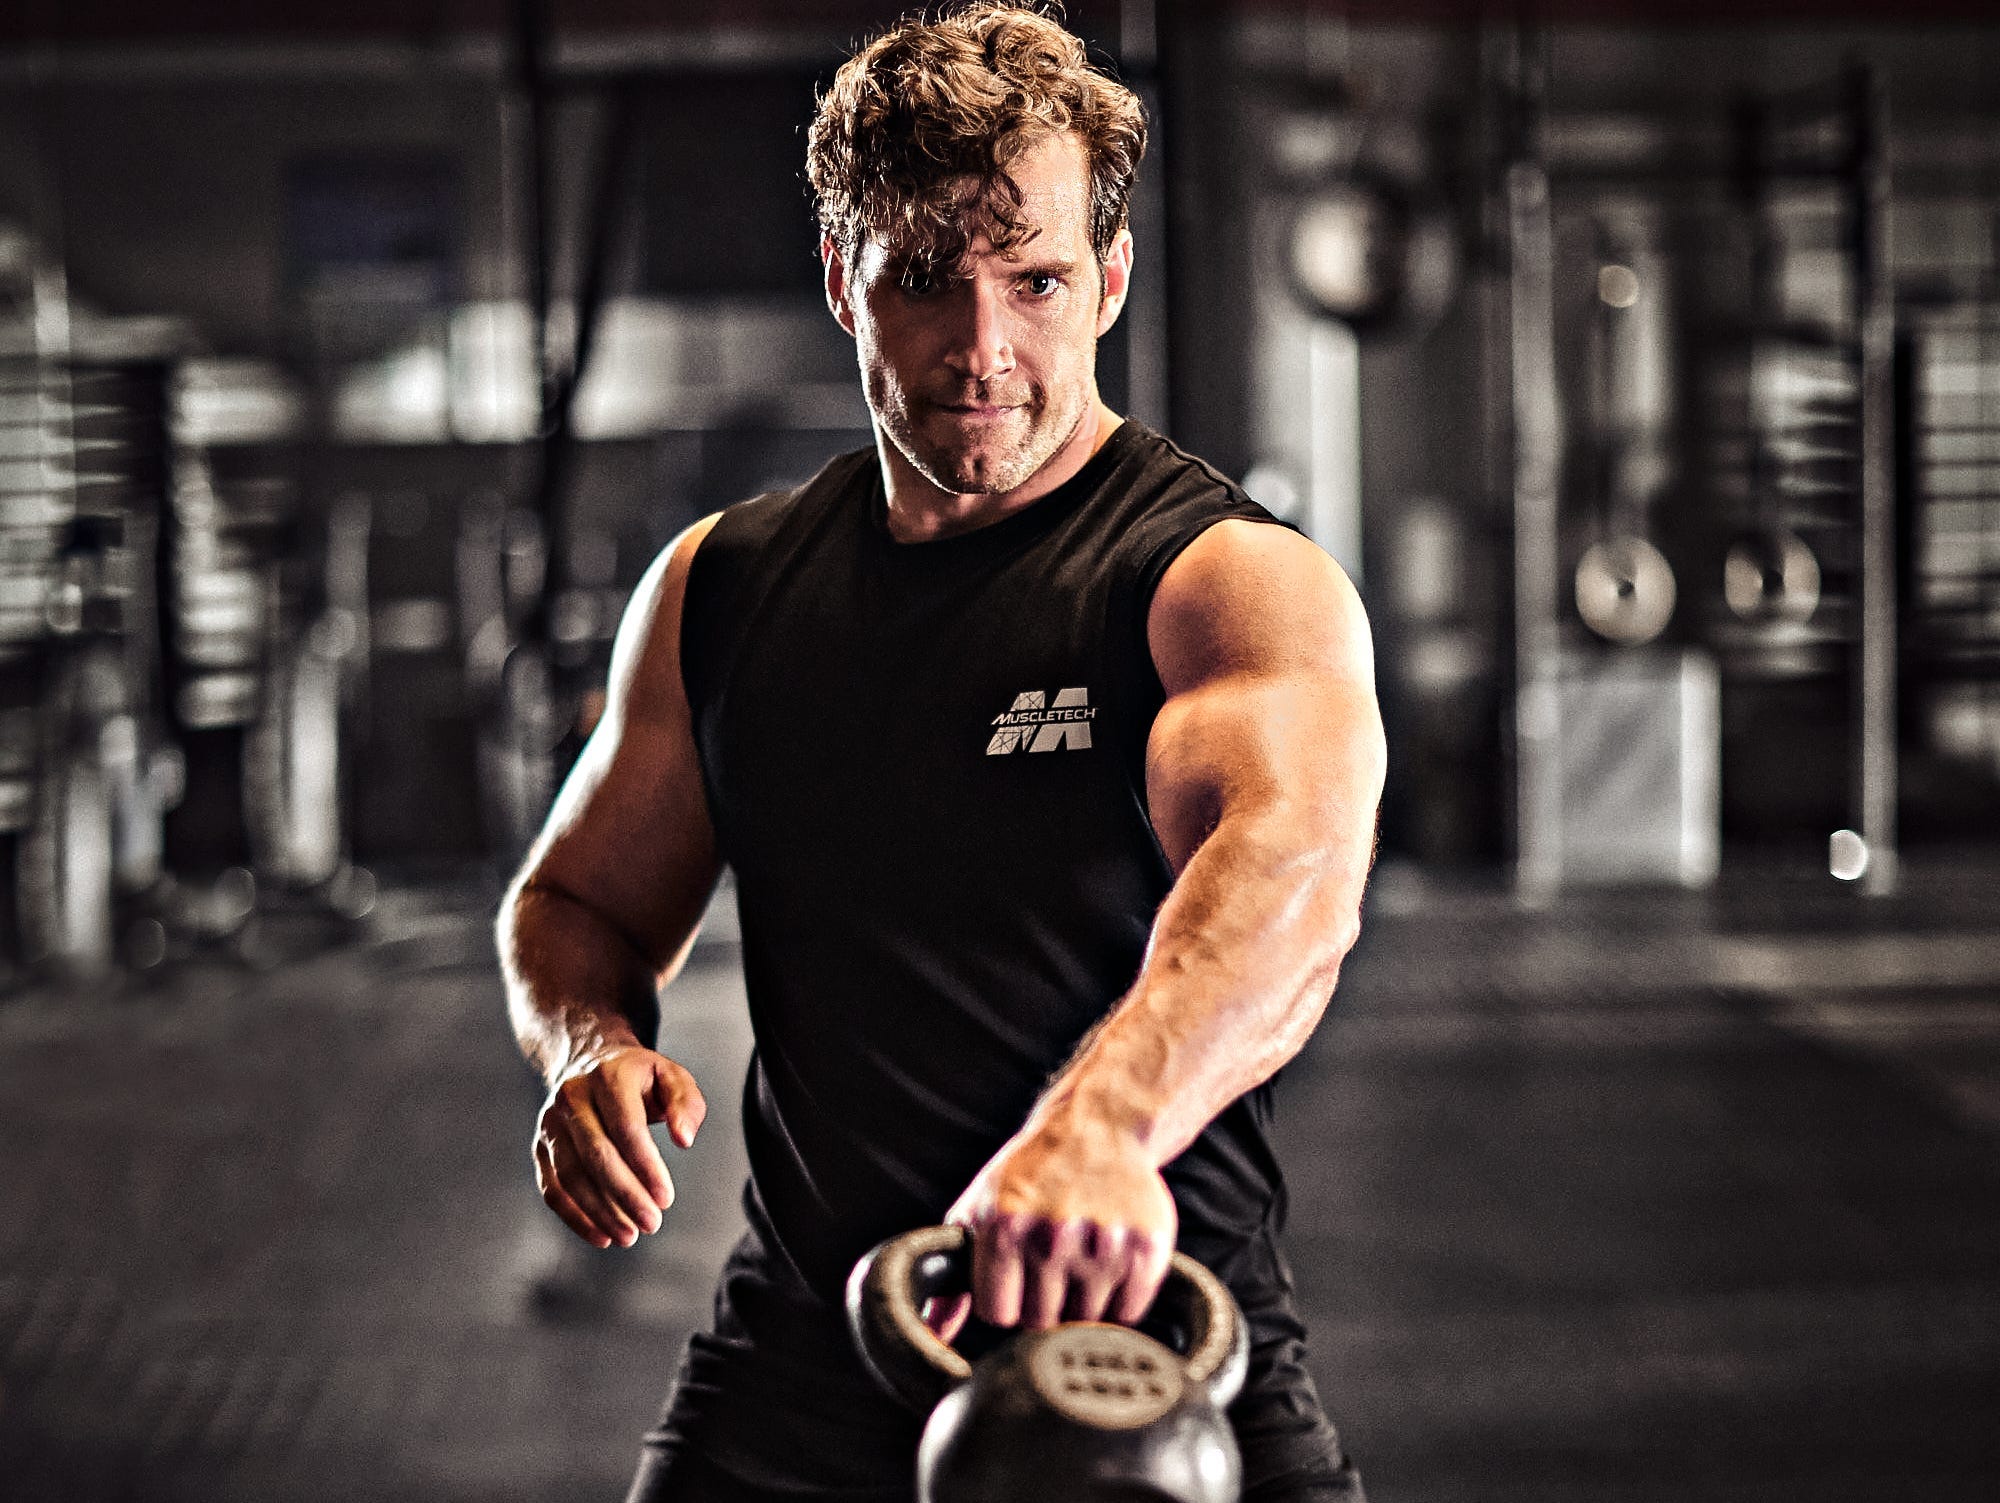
1116,270
836,283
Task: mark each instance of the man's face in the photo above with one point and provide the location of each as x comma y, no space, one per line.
978,373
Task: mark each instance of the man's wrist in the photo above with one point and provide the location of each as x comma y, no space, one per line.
1098,1106
584,1045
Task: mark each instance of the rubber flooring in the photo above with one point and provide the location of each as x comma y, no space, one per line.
1642,1198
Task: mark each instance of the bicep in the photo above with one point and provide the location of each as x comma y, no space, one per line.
629,835
1270,714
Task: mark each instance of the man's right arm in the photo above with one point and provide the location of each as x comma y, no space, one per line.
602,915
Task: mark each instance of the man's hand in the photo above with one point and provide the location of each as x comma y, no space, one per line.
595,1162
1070,1220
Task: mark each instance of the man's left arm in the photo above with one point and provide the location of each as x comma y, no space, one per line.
1263,775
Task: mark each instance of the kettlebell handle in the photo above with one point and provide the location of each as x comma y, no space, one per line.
888,1288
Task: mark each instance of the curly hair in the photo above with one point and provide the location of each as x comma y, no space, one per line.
912,142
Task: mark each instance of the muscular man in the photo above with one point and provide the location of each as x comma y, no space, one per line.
1047,768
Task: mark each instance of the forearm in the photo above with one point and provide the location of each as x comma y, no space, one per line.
575,983
1242,962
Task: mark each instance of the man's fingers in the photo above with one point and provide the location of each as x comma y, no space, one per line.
558,1200
577,1174
605,1161
1148,1265
574,1181
996,1272
1045,1285
674,1098
1035,1274
623,1119
1099,1269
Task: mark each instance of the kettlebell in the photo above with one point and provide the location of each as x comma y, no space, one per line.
1086,1412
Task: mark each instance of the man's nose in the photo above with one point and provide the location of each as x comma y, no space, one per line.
981,345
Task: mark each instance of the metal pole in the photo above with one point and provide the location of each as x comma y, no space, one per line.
1874,297
531,44
1538,444
531,35
603,216
1146,305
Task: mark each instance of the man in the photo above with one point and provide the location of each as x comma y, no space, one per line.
1047,769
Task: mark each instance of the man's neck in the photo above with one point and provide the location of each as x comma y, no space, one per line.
919,512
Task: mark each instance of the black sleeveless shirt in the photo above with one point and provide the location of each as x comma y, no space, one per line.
926,765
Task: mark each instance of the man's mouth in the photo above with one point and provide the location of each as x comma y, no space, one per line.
982,410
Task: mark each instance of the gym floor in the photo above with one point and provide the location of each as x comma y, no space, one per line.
1647,1197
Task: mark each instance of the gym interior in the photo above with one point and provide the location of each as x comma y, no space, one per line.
1639,360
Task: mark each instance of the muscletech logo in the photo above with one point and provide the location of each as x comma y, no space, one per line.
1040,726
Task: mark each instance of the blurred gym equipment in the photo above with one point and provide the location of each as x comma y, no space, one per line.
1373,252
156,646
1735,428
82,445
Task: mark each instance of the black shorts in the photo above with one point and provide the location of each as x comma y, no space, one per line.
772,1406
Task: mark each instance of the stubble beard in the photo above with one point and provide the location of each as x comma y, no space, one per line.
983,468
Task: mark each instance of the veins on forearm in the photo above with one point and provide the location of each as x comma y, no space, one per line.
1242,963
574,980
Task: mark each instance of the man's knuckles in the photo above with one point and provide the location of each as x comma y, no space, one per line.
1034,1271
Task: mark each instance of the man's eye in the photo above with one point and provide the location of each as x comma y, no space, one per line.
917,282
1041,283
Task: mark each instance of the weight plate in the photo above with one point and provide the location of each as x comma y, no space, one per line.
292,781
64,871
1625,590
84,866
310,727
1771,576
